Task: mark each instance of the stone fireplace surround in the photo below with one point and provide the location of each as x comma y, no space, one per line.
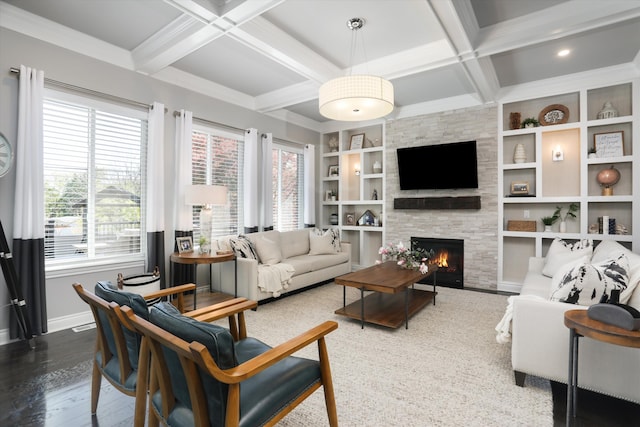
477,227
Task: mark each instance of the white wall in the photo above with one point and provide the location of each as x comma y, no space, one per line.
63,306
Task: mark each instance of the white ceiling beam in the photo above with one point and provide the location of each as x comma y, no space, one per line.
190,32
562,20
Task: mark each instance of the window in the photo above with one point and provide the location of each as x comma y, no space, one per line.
94,175
217,159
288,185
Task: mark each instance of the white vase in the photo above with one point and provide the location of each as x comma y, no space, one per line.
563,226
519,155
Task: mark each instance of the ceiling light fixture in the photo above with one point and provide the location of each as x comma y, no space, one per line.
356,97
564,52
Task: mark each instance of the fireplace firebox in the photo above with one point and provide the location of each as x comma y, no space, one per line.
449,255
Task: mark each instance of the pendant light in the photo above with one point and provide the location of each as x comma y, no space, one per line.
356,97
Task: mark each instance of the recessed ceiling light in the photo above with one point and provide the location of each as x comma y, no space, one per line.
564,52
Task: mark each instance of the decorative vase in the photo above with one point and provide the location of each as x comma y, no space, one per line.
519,155
607,111
514,120
563,226
377,167
547,228
333,219
205,248
607,178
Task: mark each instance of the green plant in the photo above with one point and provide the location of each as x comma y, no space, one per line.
203,240
573,207
548,220
530,121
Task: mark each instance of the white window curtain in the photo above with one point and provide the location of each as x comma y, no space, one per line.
266,195
155,191
309,185
251,181
183,225
28,217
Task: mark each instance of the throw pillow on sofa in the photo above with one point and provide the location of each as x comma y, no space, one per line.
243,247
610,249
268,250
561,253
587,284
334,235
321,244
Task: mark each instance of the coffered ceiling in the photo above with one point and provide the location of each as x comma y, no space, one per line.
272,56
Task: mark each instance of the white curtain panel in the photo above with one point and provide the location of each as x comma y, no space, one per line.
183,212
29,196
155,169
155,191
267,181
310,185
251,181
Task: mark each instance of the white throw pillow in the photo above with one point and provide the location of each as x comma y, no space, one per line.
321,245
243,247
335,237
561,253
268,251
586,283
608,249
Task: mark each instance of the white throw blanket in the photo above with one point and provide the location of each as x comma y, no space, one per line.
504,326
274,278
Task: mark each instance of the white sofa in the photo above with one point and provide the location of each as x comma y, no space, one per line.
540,340
311,265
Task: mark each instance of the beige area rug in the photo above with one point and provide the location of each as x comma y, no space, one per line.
446,370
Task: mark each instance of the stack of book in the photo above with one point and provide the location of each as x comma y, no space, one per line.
606,225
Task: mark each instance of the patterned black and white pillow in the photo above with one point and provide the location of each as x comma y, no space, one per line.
335,236
583,283
243,247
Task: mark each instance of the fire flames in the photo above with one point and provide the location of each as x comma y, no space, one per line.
442,259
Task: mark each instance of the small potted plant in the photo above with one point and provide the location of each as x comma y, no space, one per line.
592,153
205,246
333,195
530,122
548,221
573,208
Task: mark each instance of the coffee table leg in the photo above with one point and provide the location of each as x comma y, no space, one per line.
406,307
361,308
572,383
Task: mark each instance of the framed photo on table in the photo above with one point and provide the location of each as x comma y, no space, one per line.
356,141
609,144
185,244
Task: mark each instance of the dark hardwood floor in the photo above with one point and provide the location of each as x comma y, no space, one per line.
51,386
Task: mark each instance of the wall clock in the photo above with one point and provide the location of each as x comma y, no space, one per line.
6,156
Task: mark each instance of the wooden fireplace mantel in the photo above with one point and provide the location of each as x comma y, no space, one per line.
466,202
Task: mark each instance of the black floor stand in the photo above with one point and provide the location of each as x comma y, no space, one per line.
15,291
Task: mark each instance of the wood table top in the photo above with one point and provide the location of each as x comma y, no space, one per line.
579,321
197,258
387,277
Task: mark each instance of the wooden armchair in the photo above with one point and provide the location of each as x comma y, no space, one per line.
202,375
121,355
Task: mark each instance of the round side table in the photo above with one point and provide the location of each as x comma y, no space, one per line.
581,325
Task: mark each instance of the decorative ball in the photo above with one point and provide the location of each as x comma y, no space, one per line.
608,177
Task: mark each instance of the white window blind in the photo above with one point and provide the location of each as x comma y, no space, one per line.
94,173
217,159
288,187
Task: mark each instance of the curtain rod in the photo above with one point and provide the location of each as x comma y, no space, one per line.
176,113
91,92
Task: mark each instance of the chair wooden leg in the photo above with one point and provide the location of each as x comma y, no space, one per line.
154,420
96,379
327,383
142,384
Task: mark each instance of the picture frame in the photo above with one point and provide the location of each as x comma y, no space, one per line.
327,196
367,219
356,141
334,171
609,144
520,188
350,218
185,244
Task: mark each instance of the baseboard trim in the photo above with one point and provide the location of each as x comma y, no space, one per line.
54,325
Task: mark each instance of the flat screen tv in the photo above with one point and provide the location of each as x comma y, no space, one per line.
440,166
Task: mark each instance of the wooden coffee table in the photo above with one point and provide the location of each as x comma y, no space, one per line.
395,298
